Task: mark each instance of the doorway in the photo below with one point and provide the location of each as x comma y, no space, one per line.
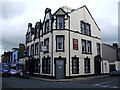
60,68
97,65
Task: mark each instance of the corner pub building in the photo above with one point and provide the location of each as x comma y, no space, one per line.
66,44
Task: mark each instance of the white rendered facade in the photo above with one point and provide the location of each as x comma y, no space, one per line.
72,49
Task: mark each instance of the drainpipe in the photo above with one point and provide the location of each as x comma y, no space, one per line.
69,46
52,45
39,44
102,64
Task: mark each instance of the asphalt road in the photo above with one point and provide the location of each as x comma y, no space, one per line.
106,82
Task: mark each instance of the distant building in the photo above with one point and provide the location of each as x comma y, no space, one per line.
6,57
15,60
21,57
66,44
33,47
18,59
112,55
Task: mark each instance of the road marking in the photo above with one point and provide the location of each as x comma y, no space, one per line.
115,87
102,84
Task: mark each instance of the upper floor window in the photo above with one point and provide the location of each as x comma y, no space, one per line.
29,37
82,27
89,48
83,46
75,44
60,22
32,49
98,48
47,26
60,43
28,53
46,43
86,46
85,28
37,33
36,48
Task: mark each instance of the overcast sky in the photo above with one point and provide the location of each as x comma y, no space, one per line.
16,14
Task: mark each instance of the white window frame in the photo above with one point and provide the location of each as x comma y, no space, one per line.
58,41
60,22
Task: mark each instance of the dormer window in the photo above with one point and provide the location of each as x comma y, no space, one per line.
47,26
60,22
37,33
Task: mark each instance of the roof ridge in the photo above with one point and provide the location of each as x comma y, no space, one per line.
77,8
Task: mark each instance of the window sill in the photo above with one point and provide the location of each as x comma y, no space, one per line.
60,50
75,73
60,29
85,34
86,53
46,52
36,54
87,72
45,33
75,49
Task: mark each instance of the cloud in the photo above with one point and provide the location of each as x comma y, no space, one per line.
16,15
12,9
109,30
13,35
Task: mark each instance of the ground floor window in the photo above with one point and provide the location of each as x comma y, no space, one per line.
112,67
37,66
27,65
46,65
87,65
75,65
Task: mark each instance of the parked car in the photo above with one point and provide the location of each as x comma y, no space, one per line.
13,72
22,74
5,69
115,73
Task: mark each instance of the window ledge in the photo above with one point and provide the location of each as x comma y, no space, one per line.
86,53
60,50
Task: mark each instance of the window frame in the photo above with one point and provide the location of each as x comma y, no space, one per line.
60,50
85,28
32,50
75,44
98,53
37,32
36,48
46,64
47,39
90,43
63,22
47,26
77,60
87,65
85,48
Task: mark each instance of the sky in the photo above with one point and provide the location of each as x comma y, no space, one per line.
16,14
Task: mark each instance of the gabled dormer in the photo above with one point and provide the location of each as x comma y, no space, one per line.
60,19
37,30
47,21
29,27
28,34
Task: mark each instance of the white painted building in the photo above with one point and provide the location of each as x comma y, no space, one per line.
69,44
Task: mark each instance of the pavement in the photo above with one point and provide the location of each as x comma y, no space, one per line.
71,79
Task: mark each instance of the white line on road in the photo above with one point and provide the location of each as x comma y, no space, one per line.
100,84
